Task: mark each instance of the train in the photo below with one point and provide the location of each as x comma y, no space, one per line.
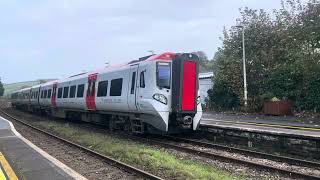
153,94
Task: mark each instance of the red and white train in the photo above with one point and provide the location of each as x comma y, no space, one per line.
157,93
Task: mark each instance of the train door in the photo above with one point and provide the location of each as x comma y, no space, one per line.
53,96
132,92
90,95
142,91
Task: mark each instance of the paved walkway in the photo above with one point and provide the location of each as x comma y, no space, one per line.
20,159
288,125
281,120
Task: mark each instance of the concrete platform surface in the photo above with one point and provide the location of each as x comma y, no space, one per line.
290,126
20,159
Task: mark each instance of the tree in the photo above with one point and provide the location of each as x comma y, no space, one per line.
1,89
205,64
282,57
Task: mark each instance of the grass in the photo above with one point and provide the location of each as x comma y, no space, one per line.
142,156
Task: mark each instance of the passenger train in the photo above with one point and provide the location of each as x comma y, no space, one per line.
155,94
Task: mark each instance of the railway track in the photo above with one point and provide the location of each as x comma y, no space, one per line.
112,161
212,155
160,141
289,160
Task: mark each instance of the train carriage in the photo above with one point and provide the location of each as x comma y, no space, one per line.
158,93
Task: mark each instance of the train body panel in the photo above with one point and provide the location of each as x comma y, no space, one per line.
150,93
34,99
71,94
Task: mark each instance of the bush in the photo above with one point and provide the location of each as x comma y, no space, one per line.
223,97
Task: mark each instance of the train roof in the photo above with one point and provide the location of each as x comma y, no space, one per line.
162,56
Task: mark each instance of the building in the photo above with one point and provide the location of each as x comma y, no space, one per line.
205,83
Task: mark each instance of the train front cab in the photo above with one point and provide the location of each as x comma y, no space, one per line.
185,106
177,93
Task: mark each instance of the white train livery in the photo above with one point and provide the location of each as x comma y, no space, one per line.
157,93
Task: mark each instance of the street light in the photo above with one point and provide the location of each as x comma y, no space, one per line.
245,98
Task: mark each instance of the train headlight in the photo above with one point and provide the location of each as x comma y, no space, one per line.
198,100
161,98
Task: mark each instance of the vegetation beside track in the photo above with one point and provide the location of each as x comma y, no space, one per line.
151,159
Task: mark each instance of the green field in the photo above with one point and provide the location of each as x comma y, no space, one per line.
9,88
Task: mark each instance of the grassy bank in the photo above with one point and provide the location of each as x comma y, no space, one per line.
151,159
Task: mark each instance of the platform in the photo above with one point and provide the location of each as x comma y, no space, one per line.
20,159
288,126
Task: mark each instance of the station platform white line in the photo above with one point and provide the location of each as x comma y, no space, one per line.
73,174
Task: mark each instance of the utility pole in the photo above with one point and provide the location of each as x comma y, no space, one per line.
245,93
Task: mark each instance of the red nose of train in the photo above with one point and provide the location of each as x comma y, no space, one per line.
185,84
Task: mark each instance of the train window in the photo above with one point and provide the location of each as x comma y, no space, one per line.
49,93
93,90
102,88
163,75
72,92
80,90
133,82
89,89
45,93
42,94
65,92
142,82
59,92
37,94
116,87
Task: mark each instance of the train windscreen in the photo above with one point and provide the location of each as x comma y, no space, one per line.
163,75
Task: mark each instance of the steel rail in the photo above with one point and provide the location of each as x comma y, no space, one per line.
112,161
212,155
278,158
216,155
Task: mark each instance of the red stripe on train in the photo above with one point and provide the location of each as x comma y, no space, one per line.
189,85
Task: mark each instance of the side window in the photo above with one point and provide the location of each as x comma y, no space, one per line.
142,82
80,90
49,93
41,94
133,82
60,92
89,89
72,91
65,92
116,87
102,88
54,92
45,93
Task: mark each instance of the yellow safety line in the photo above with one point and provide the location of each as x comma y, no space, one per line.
269,125
7,168
2,176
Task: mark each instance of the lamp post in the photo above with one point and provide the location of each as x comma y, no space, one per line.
245,98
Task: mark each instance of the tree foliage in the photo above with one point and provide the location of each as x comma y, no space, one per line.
1,88
205,64
282,57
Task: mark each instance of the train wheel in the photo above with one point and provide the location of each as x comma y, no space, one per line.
112,123
128,126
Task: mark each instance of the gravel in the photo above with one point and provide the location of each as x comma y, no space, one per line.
233,168
89,166
294,168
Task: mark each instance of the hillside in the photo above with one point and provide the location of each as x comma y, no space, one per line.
9,88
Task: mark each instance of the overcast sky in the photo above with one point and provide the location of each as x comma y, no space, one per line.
58,38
